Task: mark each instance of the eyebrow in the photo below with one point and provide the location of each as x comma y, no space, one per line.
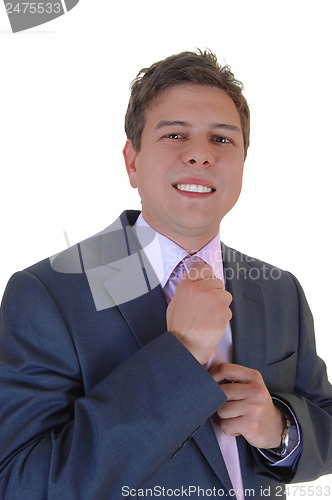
171,123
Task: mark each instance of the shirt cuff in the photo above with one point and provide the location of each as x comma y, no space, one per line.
294,446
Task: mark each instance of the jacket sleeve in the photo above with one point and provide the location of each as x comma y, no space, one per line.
311,403
58,442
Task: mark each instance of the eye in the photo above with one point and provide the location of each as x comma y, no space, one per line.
221,139
173,136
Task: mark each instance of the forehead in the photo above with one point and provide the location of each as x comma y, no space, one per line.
198,102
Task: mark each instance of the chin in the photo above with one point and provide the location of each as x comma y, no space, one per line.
196,227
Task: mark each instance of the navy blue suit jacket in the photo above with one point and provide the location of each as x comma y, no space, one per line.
96,402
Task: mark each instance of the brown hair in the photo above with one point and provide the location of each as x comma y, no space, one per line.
200,68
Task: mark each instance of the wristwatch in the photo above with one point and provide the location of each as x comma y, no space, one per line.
283,448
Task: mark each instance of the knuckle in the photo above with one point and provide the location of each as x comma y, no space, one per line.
257,377
260,393
225,312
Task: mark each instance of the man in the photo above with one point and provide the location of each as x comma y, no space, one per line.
149,360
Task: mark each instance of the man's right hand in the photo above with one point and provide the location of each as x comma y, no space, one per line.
199,311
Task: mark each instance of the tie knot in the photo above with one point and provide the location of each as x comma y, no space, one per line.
197,267
185,264
191,261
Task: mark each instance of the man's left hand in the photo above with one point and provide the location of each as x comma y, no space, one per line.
249,410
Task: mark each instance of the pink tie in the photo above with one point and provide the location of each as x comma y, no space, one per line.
227,444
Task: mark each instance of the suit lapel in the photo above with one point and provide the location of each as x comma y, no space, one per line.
146,315
134,287
206,440
248,324
115,264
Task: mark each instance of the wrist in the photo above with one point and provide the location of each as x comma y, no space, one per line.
290,433
282,450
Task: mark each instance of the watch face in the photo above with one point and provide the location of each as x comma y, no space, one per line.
285,438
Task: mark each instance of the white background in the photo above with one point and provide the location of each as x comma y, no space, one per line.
64,88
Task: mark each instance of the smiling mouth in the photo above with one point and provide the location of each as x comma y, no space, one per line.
193,188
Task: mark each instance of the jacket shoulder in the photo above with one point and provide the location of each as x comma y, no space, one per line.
238,265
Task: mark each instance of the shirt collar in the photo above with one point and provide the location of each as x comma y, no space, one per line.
164,255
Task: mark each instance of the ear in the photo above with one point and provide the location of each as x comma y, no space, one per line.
130,156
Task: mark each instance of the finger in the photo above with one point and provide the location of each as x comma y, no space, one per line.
205,284
232,409
231,372
226,298
232,426
235,391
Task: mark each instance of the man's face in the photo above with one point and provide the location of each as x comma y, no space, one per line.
189,169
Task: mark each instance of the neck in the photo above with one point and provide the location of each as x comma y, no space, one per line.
191,245
191,240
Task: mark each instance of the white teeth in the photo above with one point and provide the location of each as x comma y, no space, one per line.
194,188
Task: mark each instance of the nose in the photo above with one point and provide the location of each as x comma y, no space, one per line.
198,153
